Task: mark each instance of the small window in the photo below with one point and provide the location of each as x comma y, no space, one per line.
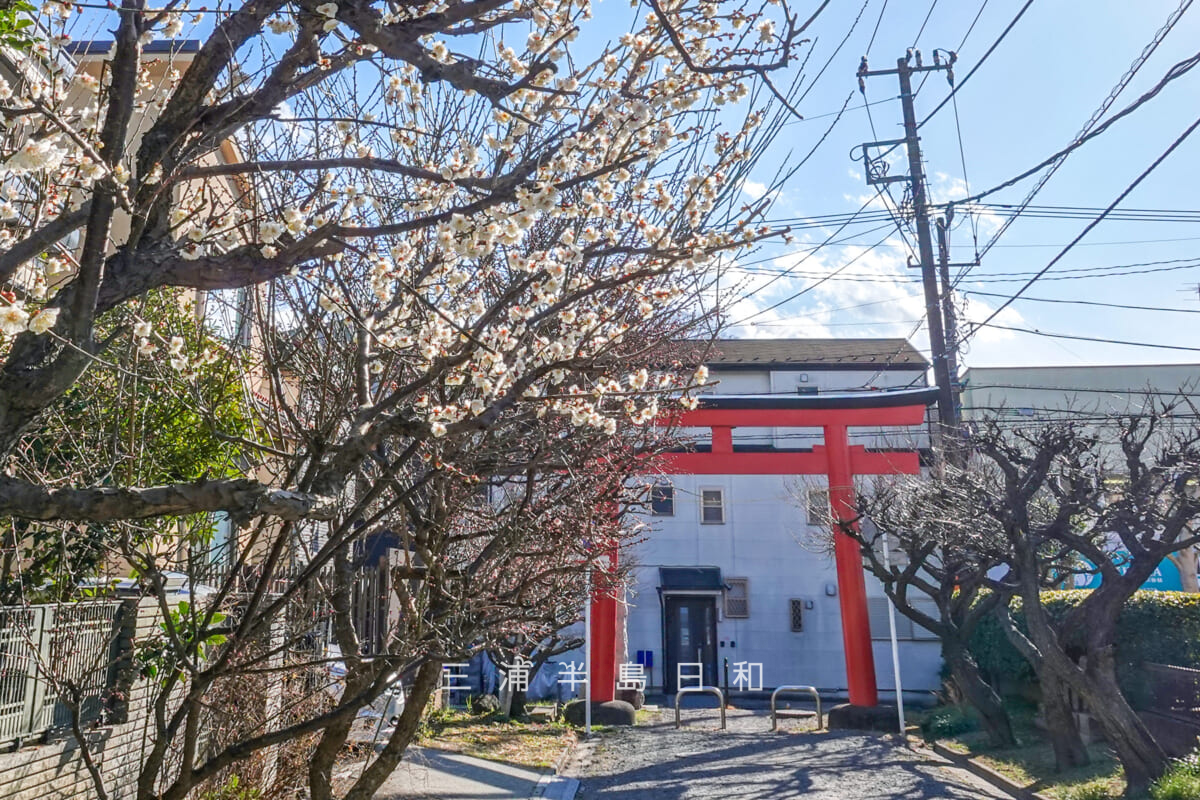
877,614
818,507
662,500
796,611
712,506
737,598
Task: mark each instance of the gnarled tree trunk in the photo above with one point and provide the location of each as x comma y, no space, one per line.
979,693
1062,728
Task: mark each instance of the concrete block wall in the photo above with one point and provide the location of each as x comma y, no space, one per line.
56,770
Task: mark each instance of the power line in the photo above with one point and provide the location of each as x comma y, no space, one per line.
871,43
1122,306
1075,273
1099,339
1134,68
808,288
954,89
1175,72
925,22
1125,193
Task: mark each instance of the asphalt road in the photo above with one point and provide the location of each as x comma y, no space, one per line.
747,762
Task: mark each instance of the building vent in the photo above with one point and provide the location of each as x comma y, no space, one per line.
796,609
737,598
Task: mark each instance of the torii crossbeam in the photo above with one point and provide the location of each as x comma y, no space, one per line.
836,459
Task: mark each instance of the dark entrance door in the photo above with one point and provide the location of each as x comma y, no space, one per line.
691,638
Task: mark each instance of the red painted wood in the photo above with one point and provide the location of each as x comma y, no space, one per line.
852,587
800,417
836,459
797,463
603,657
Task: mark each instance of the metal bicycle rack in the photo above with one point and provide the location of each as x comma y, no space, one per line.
714,691
775,713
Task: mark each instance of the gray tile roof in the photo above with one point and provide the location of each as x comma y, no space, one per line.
894,353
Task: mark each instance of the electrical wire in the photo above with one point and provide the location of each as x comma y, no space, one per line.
808,288
1123,306
955,89
1099,339
1087,229
1116,91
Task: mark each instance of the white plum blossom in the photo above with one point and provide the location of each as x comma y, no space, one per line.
13,319
268,232
281,25
43,320
42,154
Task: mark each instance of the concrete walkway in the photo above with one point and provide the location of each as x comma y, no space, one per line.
427,774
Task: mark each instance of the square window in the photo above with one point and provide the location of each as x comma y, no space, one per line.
712,506
796,612
737,598
662,500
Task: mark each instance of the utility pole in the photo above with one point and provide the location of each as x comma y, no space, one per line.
876,173
950,323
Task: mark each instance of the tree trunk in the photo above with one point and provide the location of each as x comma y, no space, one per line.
980,695
516,708
1140,754
428,678
1062,728
320,766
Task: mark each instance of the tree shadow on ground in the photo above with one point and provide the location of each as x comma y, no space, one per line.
751,766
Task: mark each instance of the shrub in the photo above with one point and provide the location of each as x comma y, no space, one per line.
947,721
1092,790
1181,781
1161,627
233,789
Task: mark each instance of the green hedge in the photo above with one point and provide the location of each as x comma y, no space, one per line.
1162,627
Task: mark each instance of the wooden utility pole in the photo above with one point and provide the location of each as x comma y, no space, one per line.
876,173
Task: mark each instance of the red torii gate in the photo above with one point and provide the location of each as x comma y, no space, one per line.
836,459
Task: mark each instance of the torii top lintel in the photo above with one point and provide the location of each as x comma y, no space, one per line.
832,413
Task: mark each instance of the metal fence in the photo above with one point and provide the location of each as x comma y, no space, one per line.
46,647
1170,690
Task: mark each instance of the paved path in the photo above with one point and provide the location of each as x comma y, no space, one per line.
746,762
427,774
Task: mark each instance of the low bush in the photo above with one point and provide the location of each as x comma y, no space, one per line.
947,721
1181,780
1092,790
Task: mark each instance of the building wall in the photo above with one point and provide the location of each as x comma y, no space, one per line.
1023,393
766,538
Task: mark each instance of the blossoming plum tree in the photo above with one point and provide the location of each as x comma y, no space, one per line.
453,236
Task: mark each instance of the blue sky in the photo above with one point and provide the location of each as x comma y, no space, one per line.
1028,100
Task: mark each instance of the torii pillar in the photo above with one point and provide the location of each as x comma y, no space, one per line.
836,459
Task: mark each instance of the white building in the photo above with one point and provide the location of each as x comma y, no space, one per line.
737,568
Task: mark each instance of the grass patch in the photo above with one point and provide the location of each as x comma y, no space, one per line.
1031,763
1180,782
497,738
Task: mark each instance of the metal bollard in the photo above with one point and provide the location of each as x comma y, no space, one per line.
790,689
700,690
